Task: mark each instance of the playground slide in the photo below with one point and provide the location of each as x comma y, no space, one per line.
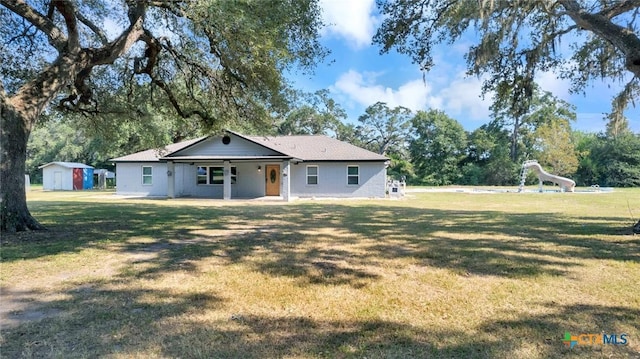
565,184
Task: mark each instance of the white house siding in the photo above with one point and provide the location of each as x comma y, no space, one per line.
187,183
48,178
236,147
249,182
332,180
129,179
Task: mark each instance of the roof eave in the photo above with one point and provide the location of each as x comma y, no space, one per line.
346,160
115,160
226,158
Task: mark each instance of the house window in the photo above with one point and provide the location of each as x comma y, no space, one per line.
202,175
234,175
214,175
353,175
312,174
147,175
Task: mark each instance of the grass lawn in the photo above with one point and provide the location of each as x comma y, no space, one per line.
436,275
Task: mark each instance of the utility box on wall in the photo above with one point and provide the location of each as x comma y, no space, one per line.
61,176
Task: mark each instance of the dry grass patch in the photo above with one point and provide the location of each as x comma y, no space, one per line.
437,275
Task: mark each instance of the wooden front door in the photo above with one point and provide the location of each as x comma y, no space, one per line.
272,173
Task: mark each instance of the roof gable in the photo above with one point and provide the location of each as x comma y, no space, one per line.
230,145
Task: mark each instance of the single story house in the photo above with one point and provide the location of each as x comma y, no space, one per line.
233,165
66,176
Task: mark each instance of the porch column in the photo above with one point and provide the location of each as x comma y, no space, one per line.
226,191
171,182
286,180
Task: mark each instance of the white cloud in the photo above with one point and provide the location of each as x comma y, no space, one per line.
548,81
460,98
463,96
350,19
362,89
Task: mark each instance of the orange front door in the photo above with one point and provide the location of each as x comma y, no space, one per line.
272,172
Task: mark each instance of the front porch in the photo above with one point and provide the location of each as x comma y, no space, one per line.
228,178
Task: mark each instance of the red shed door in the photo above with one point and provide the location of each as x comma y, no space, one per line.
77,178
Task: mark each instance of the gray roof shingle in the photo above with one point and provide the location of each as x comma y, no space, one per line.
302,147
154,154
317,148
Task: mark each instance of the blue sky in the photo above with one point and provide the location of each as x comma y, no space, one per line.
358,76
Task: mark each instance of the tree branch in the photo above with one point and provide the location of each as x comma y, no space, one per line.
96,30
89,58
174,6
176,103
74,64
619,8
66,9
120,45
550,9
3,95
623,39
151,56
33,96
56,37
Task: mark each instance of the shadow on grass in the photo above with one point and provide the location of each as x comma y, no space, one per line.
539,334
94,321
320,244
326,243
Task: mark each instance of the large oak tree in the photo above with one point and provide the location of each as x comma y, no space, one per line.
580,40
384,130
437,148
214,61
311,114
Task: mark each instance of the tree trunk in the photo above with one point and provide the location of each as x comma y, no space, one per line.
514,140
19,112
14,134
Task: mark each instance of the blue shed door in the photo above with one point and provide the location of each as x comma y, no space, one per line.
87,178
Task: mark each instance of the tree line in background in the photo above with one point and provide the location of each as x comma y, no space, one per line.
425,147
213,64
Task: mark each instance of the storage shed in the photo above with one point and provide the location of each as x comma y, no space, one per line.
66,176
103,178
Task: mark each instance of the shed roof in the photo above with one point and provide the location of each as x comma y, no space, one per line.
66,164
